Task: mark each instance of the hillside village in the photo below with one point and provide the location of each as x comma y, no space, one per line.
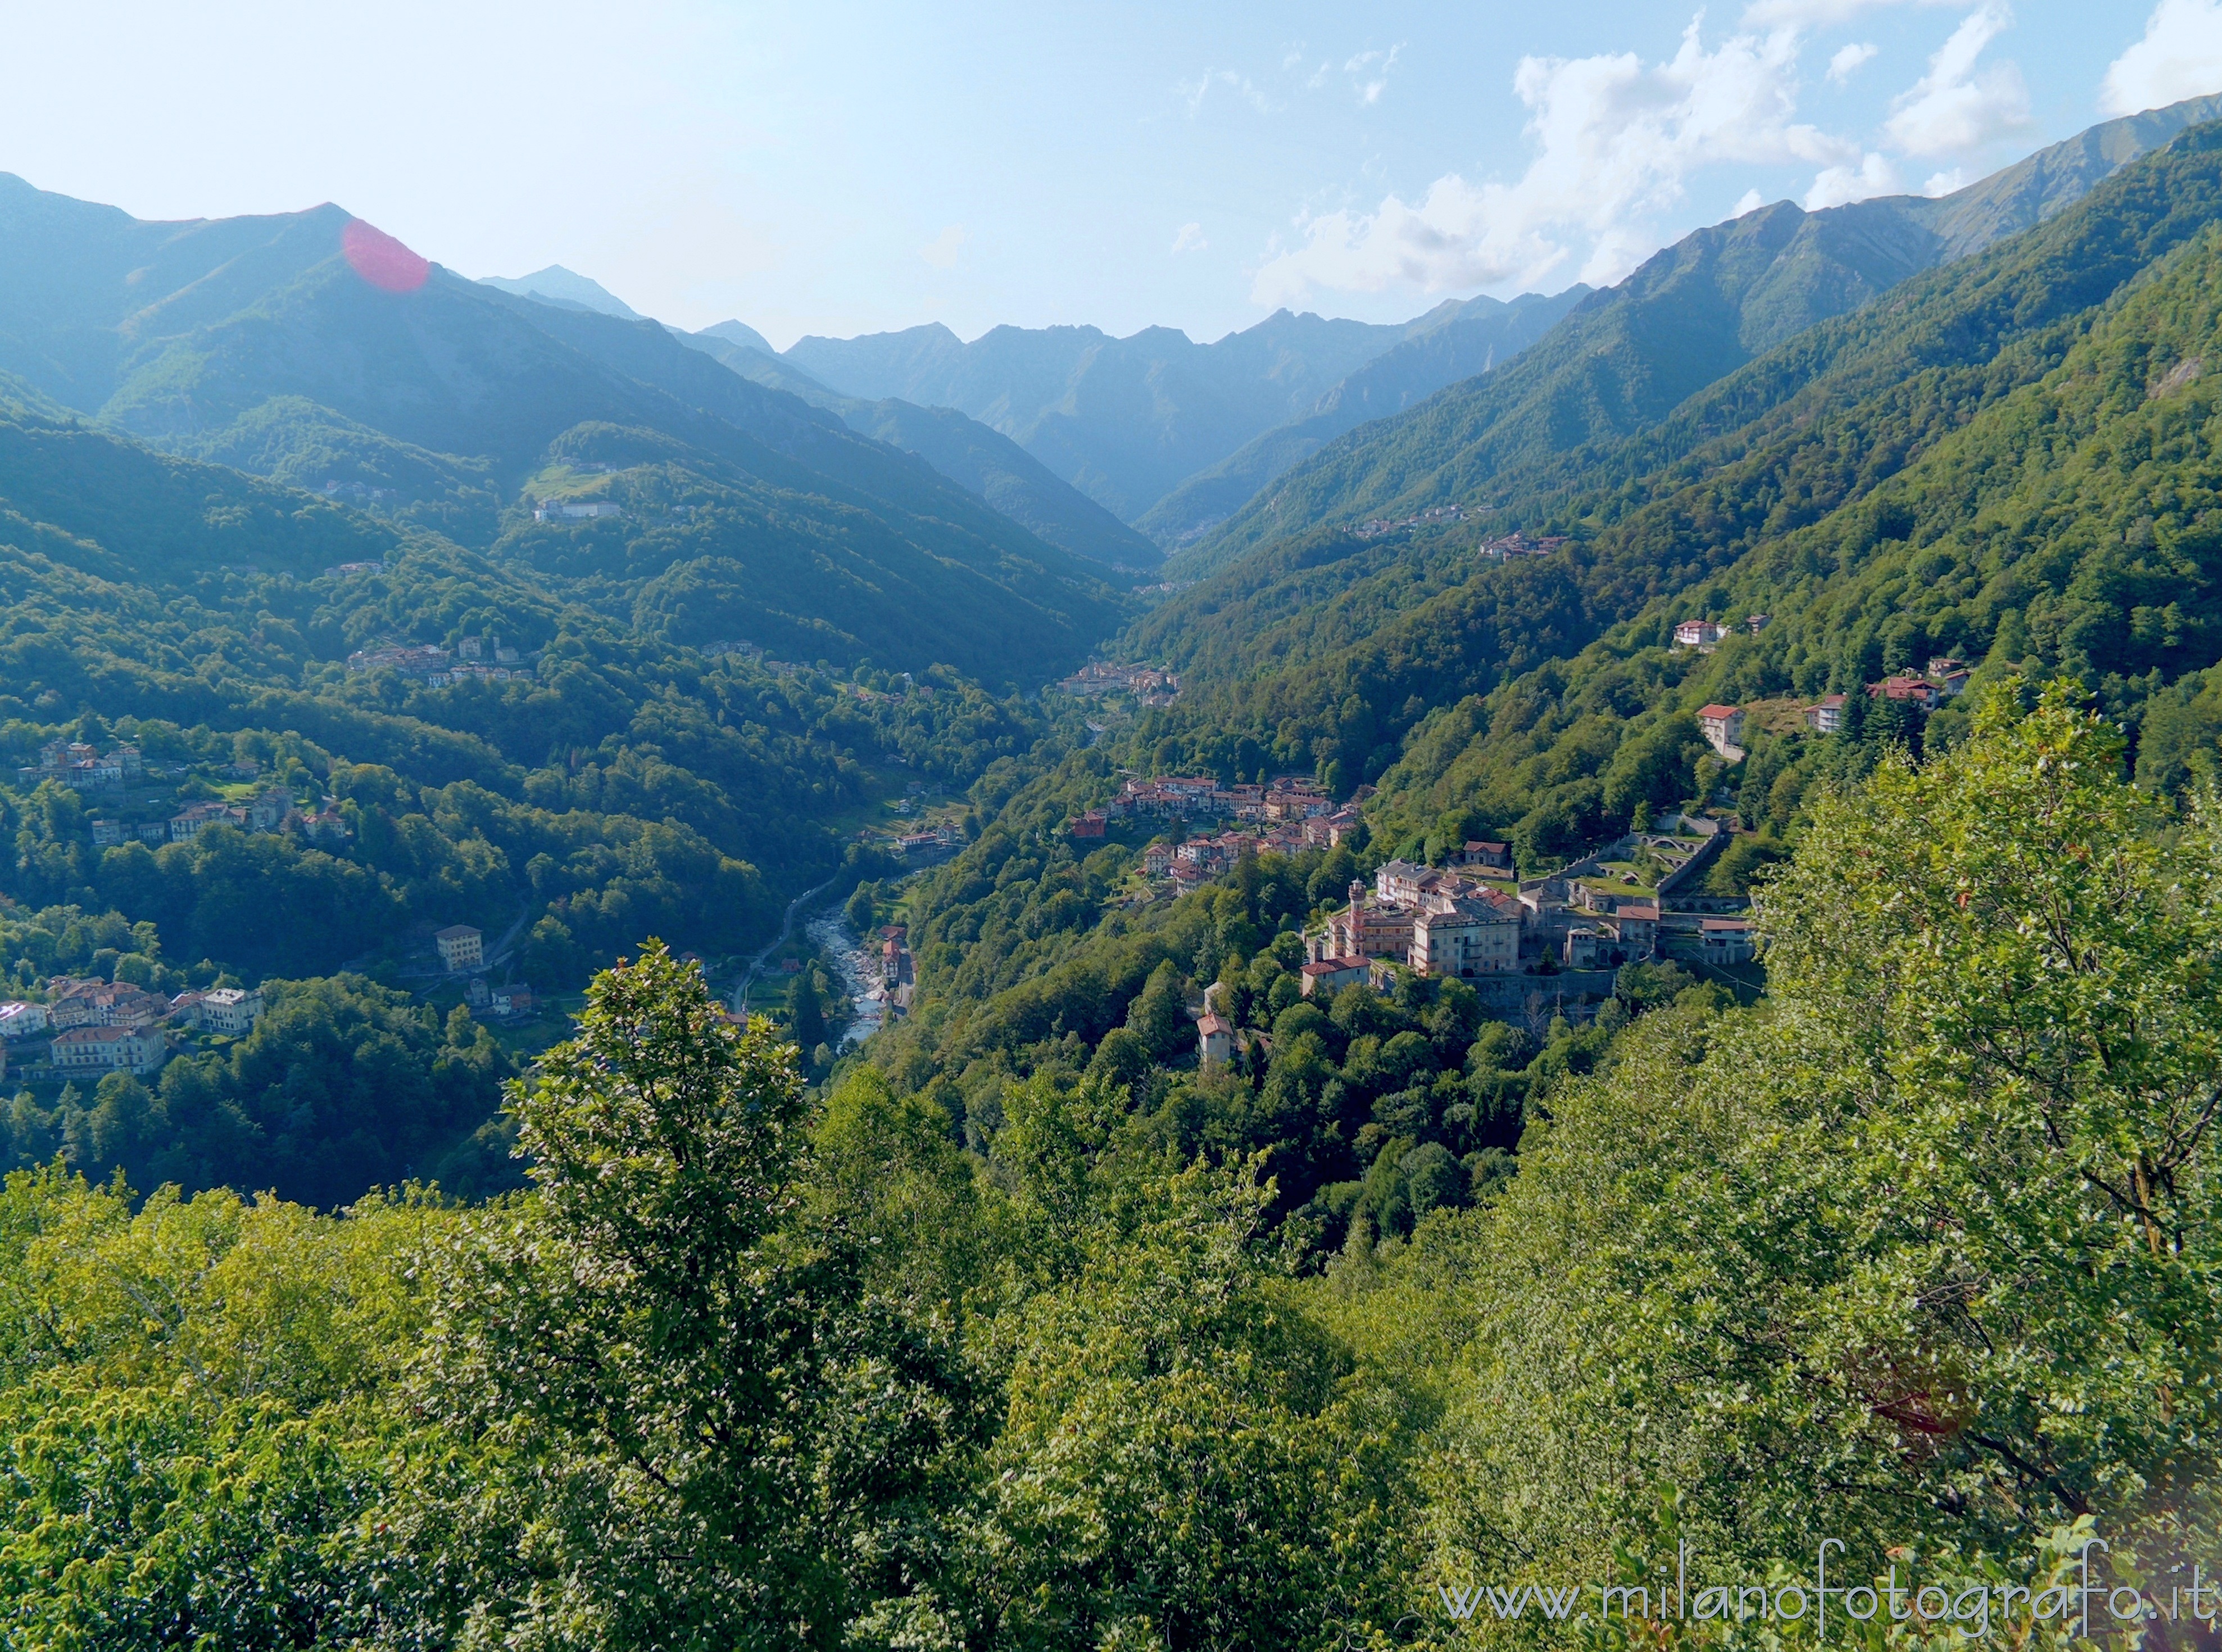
133,800
1152,686
89,1027
1945,678
1638,899
485,659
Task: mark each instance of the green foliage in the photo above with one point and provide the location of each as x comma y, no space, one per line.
342,1086
1915,1254
806,1011
1845,1251
780,1440
1927,474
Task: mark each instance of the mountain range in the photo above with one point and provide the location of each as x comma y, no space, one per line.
2002,458
1624,359
259,344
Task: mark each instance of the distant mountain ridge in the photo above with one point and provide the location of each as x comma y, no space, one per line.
1124,420
740,333
451,405
86,290
1623,359
961,448
92,300
1452,342
558,286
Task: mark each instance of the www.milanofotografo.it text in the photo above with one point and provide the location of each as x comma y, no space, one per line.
1973,1608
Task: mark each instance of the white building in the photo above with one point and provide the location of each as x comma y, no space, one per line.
1214,1039
196,818
1725,940
461,947
231,1010
137,1050
1722,727
1466,936
20,1020
1404,882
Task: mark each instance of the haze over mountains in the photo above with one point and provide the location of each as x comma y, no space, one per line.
359,621
1180,441
1623,360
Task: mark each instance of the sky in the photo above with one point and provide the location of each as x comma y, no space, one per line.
841,168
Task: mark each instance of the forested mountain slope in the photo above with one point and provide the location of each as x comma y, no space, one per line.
261,343
453,397
85,289
1439,349
2073,526
1626,357
1337,662
600,783
961,448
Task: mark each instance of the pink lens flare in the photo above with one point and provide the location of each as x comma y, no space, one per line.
382,261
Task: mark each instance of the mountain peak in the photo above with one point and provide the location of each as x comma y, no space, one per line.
568,289
740,333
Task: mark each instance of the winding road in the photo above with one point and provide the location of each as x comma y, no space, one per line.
785,928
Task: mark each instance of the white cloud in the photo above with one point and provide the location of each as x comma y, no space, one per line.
1615,139
1750,201
1945,182
1368,81
1817,13
1801,14
1240,85
1849,58
1956,106
941,251
1874,175
2180,56
1189,240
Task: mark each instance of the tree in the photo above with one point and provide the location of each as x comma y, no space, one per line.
665,1374
1177,1467
1159,1014
1921,1249
1122,1057
805,1011
553,962
859,911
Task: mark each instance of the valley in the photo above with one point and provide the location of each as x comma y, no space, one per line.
1075,991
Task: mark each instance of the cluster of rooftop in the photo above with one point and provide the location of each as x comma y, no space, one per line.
1517,543
92,1026
1154,684
1301,811
1946,678
438,665
554,509
1447,921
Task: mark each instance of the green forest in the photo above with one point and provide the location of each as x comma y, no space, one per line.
1912,1255
1599,1304
608,787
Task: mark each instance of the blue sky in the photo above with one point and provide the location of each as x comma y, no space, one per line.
844,168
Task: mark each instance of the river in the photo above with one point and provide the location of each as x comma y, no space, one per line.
859,972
